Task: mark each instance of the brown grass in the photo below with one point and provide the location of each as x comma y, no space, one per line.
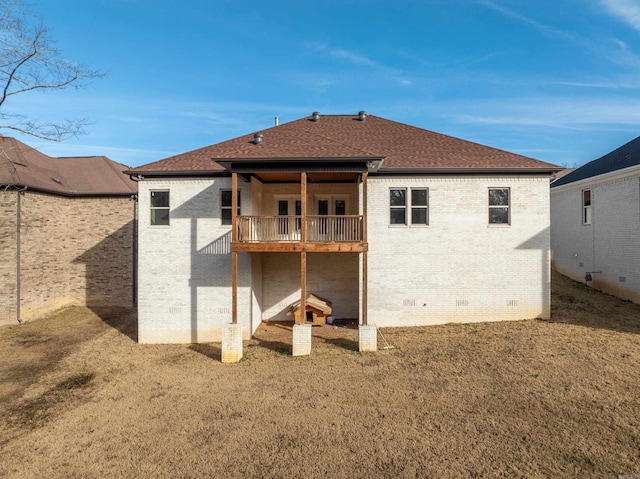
530,398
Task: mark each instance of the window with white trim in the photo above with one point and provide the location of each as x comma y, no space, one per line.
416,203
586,207
225,206
499,201
159,208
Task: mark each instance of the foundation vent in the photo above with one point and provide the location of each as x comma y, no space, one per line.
462,302
224,311
580,265
409,302
512,302
622,279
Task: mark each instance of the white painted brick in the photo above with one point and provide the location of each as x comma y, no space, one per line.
231,343
301,340
610,243
367,338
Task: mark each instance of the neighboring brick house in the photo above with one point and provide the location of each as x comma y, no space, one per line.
595,223
67,229
393,224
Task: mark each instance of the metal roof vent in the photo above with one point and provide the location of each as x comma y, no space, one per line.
362,116
257,138
315,116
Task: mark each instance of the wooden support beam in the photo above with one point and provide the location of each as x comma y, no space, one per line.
234,206
234,255
364,288
364,206
294,247
303,287
303,205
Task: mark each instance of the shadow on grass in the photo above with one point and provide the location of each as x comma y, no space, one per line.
575,303
210,350
123,319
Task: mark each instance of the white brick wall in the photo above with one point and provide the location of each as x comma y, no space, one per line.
459,269
456,269
185,269
333,276
611,243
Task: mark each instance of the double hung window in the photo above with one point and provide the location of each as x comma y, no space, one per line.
413,206
159,213
225,206
499,201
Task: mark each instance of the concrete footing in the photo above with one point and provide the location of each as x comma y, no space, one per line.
368,338
231,343
301,340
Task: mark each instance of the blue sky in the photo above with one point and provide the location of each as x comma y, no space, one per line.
555,80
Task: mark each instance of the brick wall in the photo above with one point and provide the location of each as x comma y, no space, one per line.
75,251
185,268
459,268
8,202
610,243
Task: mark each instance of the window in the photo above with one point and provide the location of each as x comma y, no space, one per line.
159,208
225,206
419,206
398,207
586,207
499,206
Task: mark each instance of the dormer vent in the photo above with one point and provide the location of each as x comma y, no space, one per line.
315,116
362,116
257,138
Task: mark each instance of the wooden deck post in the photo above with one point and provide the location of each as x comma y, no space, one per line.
364,254
303,255
234,255
303,287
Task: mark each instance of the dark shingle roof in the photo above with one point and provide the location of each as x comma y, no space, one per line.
21,165
624,157
403,148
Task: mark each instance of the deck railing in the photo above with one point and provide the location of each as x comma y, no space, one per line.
320,229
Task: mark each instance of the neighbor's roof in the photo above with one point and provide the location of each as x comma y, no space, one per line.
334,137
624,157
21,165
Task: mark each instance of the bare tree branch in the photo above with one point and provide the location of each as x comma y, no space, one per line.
29,62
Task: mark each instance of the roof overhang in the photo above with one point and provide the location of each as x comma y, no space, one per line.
255,165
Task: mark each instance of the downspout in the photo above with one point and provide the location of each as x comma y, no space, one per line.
18,227
134,262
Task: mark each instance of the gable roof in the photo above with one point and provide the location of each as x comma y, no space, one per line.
21,165
403,148
624,157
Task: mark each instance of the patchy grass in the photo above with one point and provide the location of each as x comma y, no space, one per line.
535,398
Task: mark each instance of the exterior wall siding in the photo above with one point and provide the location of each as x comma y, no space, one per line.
610,244
74,251
459,268
185,268
8,255
333,276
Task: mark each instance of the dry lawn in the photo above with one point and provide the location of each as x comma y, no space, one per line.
80,398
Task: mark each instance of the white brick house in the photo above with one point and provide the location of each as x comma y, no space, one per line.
595,223
395,225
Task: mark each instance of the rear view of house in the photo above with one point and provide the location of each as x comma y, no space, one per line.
391,224
595,223
66,232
